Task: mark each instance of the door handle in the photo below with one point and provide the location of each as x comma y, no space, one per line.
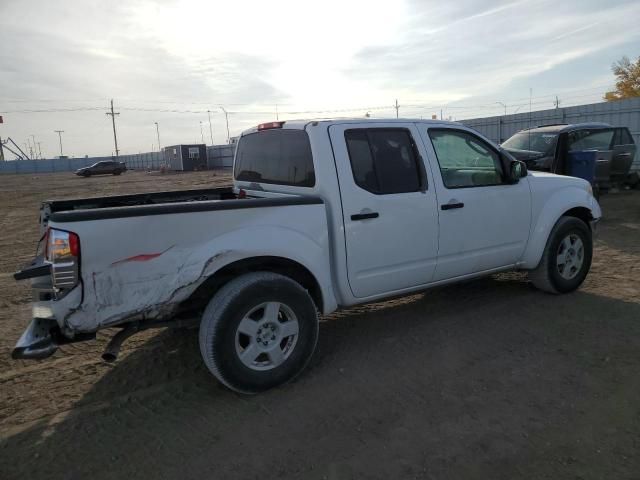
364,216
451,206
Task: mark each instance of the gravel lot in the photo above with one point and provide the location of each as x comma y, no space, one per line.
488,380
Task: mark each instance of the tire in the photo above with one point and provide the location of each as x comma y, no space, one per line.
552,277
243,361
86,174
117,172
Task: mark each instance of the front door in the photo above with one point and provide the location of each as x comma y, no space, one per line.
484,220
388,206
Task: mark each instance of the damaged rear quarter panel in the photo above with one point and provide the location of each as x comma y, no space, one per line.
146,266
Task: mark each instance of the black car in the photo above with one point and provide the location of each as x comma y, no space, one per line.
107,167
546,148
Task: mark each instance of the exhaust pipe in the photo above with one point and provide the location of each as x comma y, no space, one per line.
113,347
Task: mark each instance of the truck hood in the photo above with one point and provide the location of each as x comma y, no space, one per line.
556,181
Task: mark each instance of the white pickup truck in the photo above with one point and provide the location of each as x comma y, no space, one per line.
322,215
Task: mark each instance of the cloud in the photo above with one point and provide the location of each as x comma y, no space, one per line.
468,49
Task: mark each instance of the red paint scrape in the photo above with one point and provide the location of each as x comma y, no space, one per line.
143,257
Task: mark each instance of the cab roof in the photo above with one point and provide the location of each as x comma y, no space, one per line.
301,124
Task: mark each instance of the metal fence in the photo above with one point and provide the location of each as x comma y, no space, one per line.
218,156
143,161
624,113
48,165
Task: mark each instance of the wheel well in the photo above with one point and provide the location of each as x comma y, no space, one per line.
284,266
582,213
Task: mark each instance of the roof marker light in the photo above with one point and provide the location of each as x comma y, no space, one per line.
270,125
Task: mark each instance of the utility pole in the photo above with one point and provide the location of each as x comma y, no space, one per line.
557,102
440,114
397,107
210,128
158,132
277,113
39,150
113,121
60,132
201,133
226,116
505,107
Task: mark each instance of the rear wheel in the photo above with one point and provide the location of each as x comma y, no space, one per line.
566,259
258,331
117,172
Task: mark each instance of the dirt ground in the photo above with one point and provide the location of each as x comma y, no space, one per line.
488,380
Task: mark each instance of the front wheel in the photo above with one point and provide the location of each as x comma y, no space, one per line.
259,331
566,259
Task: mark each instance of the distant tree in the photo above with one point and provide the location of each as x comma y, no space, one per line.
628,83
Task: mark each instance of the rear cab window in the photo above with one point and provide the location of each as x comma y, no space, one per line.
275,156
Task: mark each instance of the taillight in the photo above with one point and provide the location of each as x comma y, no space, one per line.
74,244
270,125
62,250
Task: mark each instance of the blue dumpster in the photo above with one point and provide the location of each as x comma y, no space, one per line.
582,164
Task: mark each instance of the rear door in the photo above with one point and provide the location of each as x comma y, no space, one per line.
388,206
624,150
599,139
484,220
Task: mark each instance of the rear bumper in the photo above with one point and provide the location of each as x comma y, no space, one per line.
37,268
37,341
42,338
44,334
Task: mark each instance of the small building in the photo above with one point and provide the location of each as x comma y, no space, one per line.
186,157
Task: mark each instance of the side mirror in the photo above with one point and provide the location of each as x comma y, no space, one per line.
517,171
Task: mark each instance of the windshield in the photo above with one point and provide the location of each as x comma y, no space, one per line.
544,143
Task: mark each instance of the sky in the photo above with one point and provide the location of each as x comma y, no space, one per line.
179,62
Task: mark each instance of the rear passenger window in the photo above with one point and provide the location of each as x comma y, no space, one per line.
383,160
276,156
590,139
